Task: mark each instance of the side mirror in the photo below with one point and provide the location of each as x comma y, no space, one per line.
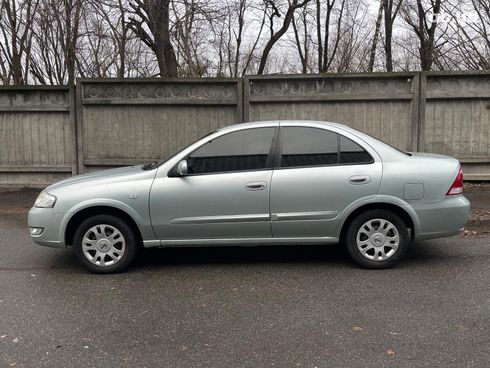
182,168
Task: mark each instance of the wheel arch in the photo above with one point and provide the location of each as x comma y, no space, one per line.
402,211
83,213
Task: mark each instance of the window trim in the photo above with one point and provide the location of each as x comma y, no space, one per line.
278,153
268,163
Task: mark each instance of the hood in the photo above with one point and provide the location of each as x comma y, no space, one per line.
120,174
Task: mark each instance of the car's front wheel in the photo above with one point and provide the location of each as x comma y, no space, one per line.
377,239
105,244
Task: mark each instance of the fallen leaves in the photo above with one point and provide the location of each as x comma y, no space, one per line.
390,352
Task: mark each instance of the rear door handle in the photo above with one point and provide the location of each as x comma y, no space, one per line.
359,179
256,185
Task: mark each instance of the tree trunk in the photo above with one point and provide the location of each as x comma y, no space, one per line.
302,56
164,50
319,35
372,55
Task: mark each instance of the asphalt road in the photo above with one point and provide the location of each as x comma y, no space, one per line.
243,307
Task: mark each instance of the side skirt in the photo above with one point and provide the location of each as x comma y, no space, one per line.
237,242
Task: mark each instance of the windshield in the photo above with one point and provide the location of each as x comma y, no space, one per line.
154,164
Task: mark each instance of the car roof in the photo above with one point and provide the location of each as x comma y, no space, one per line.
306,123
269,123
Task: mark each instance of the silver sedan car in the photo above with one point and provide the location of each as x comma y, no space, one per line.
265,183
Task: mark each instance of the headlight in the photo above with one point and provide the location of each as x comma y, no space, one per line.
45,200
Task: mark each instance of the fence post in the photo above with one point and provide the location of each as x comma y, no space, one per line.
239,102
421,111
79,131
73,129
246,98
414,138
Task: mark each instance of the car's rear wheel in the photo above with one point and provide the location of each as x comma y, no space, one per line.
377,239
105,244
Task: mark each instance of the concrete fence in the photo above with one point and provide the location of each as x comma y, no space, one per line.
47,133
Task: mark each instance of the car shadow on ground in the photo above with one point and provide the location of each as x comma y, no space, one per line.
332,256
328,255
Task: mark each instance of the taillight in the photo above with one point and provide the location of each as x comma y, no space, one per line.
457,187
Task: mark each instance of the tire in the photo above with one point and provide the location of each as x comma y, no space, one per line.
377,239
105,244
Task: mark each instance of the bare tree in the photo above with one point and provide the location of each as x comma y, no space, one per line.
57,35
251,59
422,17
114,13
276,35
469,37
240,8
151,24
16,19
47,63
4,71
195,25
391,9
302,38
327,49
353,45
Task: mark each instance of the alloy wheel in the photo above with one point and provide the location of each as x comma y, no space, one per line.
103,245
378,239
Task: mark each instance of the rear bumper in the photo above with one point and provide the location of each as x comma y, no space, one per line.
445,218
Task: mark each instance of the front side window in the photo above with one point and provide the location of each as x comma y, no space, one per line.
308,147
243,150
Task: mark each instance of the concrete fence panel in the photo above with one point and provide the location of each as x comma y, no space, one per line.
455,119
123,122
383,105
48,133
37,136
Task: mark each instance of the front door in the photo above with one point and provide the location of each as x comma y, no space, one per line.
225,194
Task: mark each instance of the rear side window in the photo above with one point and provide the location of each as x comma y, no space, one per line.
308,147
238,151
302,146
352,153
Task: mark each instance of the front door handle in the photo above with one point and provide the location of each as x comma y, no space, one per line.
256,185
359,179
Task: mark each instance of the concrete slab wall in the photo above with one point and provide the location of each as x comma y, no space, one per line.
47,133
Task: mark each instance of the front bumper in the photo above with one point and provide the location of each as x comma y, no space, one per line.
444,218
50,221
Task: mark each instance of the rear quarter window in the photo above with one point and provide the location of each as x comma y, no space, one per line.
352,153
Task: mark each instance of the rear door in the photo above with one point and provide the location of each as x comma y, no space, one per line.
319,174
